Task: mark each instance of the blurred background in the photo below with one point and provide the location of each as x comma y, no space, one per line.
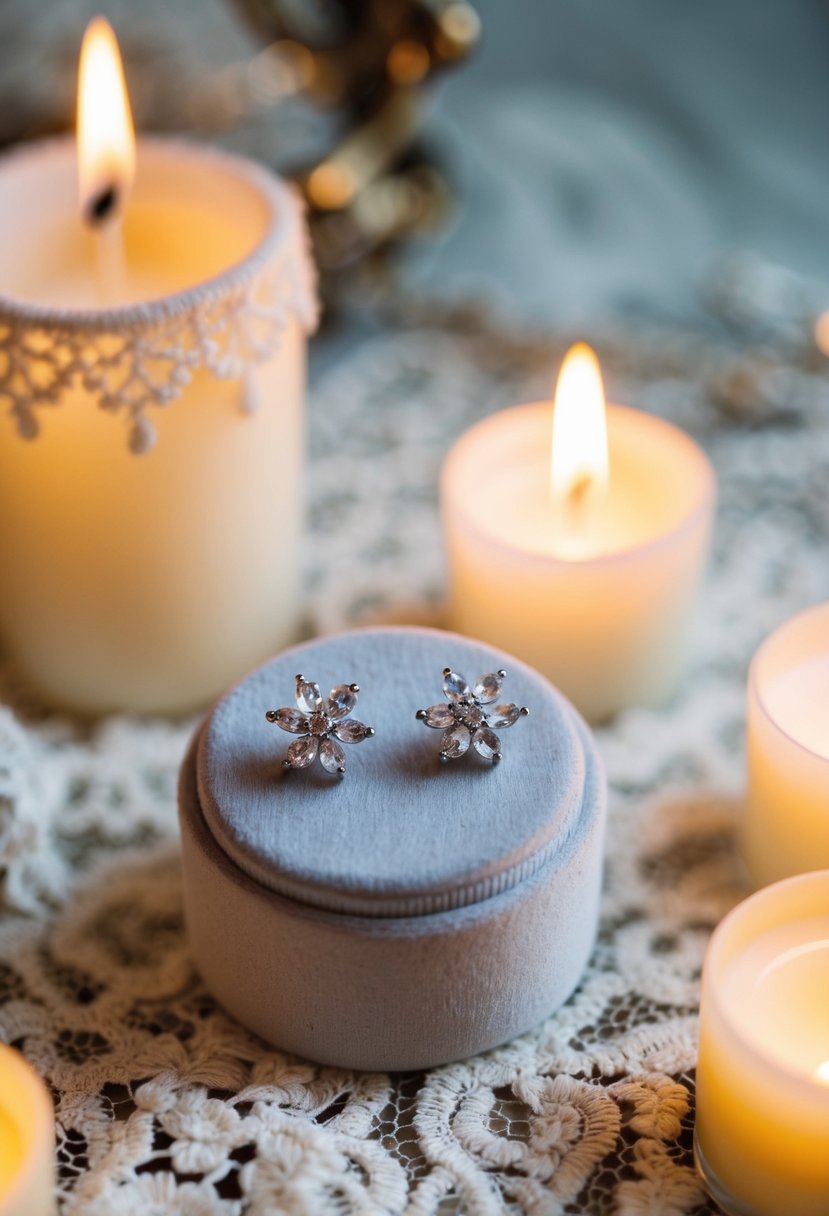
560,162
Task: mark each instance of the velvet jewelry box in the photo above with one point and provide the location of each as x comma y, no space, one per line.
412,912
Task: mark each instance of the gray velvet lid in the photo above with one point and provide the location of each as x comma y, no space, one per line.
400,834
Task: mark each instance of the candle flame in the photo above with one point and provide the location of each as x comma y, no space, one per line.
580,465
821,1073
106,138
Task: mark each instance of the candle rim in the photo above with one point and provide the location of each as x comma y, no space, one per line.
14,1062
706,499
760,654
816,1091
279,199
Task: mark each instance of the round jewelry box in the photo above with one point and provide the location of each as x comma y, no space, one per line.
413,912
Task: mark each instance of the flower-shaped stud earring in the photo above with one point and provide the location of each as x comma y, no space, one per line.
321,724
465,718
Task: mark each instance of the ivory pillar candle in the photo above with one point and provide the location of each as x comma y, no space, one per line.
786,817
762,1129
27,1140
595,589
151,447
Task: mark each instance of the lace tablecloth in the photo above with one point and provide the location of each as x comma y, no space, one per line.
164,1104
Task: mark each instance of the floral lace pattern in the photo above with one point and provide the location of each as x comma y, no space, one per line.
164,1104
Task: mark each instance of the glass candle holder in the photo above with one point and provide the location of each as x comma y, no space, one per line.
762,1128
785,828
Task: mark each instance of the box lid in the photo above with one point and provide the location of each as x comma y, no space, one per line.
400,834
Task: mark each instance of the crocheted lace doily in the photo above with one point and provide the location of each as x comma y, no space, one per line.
164,1104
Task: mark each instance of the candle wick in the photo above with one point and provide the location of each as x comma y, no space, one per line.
102,205
579,490
110,263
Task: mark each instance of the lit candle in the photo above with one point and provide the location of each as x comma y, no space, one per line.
762,1130
589,574
785,826
151,523
27,1140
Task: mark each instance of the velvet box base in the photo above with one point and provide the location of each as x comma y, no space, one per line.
460,938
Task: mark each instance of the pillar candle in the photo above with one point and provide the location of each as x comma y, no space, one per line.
762,1129
151,431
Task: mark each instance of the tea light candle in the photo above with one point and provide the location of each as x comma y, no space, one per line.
27,1140
762,1129
151,432
584,563
785,826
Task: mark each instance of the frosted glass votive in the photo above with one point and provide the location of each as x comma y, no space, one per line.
608,628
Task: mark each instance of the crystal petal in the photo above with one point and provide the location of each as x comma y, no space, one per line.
289,719
486,743
439,717
455,686
455,742
301,753
351,731
332,756
341,701
487,687
308,696
505,715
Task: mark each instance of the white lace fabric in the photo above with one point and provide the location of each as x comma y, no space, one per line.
164,1104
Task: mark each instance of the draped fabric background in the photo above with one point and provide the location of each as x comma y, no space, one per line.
611,150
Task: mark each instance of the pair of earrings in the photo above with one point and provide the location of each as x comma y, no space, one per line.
468,718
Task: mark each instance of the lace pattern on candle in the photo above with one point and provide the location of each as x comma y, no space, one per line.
139,359
165,1103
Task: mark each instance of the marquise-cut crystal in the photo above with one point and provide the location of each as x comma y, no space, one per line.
332,756
505,715
308,696
439,717
456,687
291,720
455,742
487,687
350,731
301,753
486,742
341,701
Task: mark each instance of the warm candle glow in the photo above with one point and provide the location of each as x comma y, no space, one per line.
579,469
822,1073
106,139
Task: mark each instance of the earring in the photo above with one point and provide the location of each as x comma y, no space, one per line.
321,724
465,718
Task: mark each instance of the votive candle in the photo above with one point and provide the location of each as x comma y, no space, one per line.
785,828
762,1125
